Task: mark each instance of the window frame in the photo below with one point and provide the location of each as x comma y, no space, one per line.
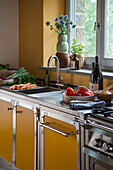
105,63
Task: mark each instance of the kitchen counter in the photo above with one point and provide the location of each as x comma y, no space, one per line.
48,108
52,101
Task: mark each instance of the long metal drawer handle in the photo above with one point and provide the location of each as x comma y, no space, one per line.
88,122
55,130
101,127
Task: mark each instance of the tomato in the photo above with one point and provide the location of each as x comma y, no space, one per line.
87,94
84,91
81,89
77,94
89,91
69,91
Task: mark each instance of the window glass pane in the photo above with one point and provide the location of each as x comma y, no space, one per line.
109,30
85,19
90,33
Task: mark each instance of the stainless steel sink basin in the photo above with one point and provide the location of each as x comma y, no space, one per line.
39,90
44,94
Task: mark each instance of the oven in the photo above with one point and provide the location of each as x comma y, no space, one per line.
96,130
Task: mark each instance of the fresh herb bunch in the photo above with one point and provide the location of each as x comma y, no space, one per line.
62,25
77,48
27,79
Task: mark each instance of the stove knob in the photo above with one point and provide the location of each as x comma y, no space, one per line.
104,147
96,142
110,147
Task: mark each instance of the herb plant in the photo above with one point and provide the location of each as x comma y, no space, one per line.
77,48
62,25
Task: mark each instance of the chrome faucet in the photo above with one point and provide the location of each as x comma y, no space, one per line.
57,65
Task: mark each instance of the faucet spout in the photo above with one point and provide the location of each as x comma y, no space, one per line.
57,65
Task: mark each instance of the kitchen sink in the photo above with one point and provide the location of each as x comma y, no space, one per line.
42,91
44,94
39,90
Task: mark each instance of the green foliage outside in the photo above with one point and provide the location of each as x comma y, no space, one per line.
110,33
90,34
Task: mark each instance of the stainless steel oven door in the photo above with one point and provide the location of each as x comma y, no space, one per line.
98,165
97,136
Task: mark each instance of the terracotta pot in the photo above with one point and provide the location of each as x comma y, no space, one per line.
63,59
62,51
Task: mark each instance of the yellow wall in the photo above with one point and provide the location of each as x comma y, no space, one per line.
36,41
77,79
51,10
31,35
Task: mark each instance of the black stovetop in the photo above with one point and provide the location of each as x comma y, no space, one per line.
105,113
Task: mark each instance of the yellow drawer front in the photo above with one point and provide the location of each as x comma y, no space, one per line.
60,153
25,139
6,131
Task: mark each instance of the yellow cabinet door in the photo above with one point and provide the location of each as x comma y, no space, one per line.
60,152
25,139
6,130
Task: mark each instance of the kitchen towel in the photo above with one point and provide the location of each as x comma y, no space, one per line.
89,105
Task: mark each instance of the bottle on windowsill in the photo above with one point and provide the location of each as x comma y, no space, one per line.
96,78
74,62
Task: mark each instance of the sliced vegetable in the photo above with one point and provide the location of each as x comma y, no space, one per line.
23,86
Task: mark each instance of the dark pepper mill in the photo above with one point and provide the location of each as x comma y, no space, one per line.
74,62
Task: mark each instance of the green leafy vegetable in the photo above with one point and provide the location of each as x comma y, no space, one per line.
22,77
27,79
20,72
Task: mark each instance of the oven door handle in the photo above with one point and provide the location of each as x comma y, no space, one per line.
45,125
93,124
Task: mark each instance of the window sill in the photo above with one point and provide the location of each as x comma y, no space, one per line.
85,72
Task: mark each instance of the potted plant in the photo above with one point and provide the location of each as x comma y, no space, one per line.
62,26
79,50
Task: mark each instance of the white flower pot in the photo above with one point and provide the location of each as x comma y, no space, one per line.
62,45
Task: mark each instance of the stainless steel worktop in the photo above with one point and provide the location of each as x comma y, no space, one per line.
51,101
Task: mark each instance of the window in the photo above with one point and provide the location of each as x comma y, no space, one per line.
94,28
